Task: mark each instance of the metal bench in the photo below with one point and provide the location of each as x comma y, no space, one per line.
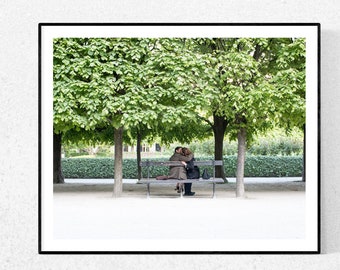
213,180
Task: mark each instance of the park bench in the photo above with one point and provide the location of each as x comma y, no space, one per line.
148,181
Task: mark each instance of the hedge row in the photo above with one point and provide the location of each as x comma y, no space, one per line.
255,166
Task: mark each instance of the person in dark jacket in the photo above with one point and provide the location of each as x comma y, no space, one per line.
192,171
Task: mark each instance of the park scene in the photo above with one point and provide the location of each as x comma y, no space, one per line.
121,103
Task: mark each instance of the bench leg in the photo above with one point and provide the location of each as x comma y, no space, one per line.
148,190
214,195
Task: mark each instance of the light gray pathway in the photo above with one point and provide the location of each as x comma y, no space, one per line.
230,180
273,210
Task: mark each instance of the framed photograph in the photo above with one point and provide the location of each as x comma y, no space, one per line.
180,82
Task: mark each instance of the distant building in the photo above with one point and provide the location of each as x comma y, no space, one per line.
145,148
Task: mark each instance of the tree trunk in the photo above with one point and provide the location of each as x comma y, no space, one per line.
304,155
58,177
241,154
220,125
139,158
118,163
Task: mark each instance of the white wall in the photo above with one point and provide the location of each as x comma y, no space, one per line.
19,126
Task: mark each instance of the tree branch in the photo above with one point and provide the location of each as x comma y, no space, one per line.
205,120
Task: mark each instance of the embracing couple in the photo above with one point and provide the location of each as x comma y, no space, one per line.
189,171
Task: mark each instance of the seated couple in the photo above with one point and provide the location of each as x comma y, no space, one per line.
189,171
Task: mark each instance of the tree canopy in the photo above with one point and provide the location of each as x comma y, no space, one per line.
135,83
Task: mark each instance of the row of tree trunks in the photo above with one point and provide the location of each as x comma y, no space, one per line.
58,177
219,126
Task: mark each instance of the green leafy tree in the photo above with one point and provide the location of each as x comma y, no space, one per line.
246,82
131,84
290,76
168,78
93,90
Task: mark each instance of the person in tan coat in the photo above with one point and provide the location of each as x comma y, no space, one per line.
179,172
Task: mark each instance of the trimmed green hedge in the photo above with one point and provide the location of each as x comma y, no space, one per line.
255,166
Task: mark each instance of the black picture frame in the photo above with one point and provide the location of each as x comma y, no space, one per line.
46,32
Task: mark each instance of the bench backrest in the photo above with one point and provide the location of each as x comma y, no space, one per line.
150,163
178,163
